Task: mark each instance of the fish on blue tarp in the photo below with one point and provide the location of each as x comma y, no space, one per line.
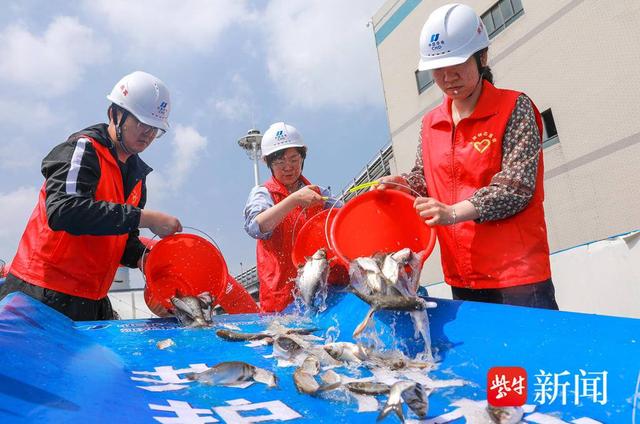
232,373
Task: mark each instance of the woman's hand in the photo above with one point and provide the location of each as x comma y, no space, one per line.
392,181
307,196
434,212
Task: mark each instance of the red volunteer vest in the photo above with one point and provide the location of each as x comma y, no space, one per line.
276,271
457,162
81,266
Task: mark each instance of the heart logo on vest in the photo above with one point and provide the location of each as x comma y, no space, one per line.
482,141
481,146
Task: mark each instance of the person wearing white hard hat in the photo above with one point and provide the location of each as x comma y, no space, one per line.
272,210
479,171
90,208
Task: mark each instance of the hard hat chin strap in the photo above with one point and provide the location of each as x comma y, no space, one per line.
118,125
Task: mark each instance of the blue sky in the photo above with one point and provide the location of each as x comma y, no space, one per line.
229,64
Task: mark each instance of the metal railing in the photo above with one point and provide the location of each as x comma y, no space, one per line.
249,280
376,168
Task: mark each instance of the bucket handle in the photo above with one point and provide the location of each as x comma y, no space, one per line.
147,250
358,188
295,223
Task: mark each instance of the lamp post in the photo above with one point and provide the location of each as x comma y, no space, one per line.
250,143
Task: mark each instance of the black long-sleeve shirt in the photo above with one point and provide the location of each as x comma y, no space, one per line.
72,171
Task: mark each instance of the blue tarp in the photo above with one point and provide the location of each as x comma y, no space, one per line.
56,370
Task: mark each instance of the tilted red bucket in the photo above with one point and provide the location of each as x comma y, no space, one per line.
187,265
311,237
380,221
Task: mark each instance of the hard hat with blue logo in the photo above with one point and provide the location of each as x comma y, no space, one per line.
280,136
451,35
145,97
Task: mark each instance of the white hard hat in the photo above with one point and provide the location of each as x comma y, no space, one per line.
145,97
280,136
450,36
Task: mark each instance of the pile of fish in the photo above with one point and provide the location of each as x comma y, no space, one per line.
316,360
193,311
391,282
384,281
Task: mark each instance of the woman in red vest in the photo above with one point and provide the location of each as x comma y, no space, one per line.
272,210
479,171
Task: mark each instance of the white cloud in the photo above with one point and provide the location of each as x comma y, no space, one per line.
19,154
53,63
236,107
165,25
187,146
26,115
15,209
321,53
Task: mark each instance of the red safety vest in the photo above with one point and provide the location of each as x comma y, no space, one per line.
84,265
457,162
276,271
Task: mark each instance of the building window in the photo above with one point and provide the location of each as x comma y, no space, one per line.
549,130
424,80
501,15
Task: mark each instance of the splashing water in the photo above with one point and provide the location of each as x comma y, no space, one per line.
333,332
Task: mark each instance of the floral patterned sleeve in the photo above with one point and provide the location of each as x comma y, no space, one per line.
512,188
415,177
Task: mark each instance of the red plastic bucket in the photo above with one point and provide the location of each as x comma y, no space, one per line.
380,221
187,265
311,237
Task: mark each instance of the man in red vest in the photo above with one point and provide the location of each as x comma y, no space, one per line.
272,210
91,206
479,171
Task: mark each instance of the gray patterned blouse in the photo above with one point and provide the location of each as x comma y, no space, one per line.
512,188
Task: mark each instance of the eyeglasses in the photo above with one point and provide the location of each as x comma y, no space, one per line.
293,161
148,129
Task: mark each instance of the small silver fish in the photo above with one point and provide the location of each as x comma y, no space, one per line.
371,388
396,303
312,277
235,336
238,336
304,376
331,380
395,360
286,347
193,311
166,343
391,302
224,374
394,273
505,414
233,372
366,276
410,392
305,382
416,399
263,376
394,402
347,352
311,365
